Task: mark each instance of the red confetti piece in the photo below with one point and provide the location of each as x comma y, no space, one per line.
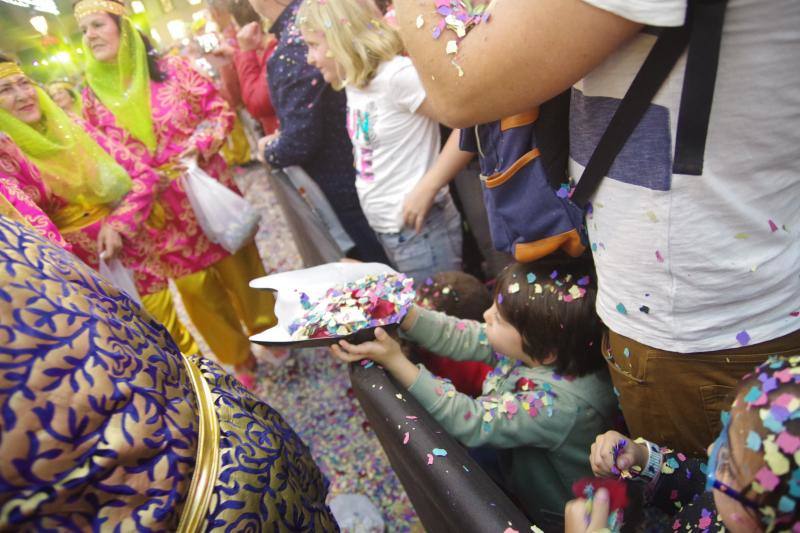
406,437
772,226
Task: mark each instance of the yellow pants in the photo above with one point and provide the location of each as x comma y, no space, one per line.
161,306
219,301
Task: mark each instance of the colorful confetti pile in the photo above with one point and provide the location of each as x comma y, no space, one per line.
375,300
780,445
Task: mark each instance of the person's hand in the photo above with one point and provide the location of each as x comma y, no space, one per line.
220,56
191,152
417,205
601,456
576,520
262,145
109,243
384,350
250,37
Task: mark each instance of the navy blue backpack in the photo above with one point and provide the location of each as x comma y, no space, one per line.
534,208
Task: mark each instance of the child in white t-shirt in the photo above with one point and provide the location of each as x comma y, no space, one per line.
395,142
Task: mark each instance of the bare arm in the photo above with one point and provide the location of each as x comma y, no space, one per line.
528,52
450,162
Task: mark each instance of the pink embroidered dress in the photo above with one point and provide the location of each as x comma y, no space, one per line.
187,111
28,192
20,184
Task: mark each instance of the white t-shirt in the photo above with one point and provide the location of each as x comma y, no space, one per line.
711,262
393,146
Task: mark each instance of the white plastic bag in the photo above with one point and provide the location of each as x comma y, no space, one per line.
356,514
225,217
120,277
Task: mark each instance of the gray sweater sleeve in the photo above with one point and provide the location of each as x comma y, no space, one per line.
500,421
462,340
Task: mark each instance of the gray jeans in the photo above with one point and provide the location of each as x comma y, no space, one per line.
437,248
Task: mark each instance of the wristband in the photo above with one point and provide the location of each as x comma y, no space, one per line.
654,458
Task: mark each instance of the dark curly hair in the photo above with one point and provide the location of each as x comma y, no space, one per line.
553,310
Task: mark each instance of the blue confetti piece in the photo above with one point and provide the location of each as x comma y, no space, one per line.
786,505
626,352
531,277
704,468
440,452
554,274
752,395
754,441
621,309
743,338
673,463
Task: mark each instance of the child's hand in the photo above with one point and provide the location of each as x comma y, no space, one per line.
602,455
383,350
577,521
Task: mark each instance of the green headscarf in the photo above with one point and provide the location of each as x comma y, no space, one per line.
72,164
123,86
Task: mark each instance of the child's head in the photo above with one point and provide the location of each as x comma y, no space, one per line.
758,451
548,316
347,40
454,293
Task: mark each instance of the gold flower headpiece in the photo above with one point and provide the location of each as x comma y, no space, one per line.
89,7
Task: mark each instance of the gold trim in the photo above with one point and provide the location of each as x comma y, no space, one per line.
88,7
206,468
7,68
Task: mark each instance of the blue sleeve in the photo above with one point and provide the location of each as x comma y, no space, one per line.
298,95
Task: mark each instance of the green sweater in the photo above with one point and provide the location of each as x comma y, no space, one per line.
545,423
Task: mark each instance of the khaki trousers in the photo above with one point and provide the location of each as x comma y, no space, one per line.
675,399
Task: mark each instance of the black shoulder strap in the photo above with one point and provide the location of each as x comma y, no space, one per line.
698,87
659,63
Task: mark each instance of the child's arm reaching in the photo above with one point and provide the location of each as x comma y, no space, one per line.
461,340
504,421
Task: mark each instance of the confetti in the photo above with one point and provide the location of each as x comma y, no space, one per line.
644,309
767,479
659,257
652,216
406,437
743,338
344,309
513,288
430,459
439,452
772,226
451,48
420,21
621,309
754,441
742,236
531,277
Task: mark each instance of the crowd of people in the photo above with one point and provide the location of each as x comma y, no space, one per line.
646,328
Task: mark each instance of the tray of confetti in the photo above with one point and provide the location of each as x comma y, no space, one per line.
325,304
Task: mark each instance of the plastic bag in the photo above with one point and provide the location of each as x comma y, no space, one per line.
225,217
356,514
120,277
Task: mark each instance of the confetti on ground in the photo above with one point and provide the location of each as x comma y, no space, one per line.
330,420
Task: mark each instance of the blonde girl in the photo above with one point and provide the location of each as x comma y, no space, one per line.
395,142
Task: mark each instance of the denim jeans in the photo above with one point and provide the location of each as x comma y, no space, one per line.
437,248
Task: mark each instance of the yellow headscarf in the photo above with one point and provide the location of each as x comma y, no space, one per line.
73,165
123,86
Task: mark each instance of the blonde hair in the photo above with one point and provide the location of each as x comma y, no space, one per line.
359,39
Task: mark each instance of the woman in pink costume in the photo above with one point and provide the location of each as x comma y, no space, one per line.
79,189
164,111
